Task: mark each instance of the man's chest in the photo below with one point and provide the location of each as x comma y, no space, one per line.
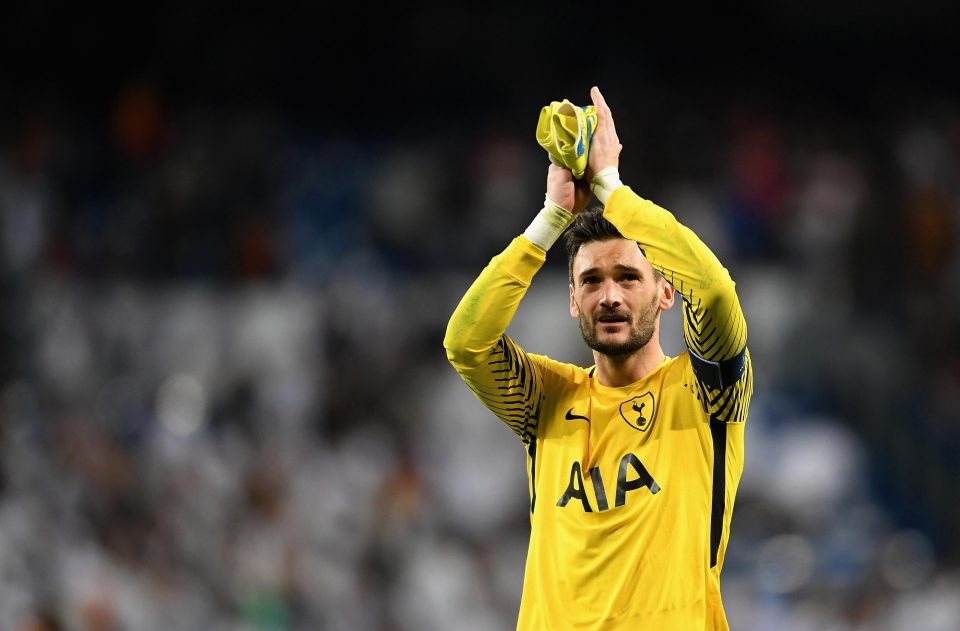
598,453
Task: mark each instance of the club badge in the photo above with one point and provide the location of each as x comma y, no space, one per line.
638,411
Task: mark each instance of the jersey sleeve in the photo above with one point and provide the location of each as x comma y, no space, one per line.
507,380
714,327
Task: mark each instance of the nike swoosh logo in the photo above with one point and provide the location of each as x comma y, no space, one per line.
575,417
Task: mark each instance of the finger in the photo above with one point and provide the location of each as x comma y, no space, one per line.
598,104
604,115
607,112
561,174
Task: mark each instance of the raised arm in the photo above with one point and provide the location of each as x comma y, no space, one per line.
714,326
505,378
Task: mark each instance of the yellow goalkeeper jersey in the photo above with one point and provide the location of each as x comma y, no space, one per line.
631,488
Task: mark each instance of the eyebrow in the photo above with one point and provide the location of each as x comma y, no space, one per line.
618,267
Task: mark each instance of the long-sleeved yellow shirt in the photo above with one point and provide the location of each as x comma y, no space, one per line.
631,488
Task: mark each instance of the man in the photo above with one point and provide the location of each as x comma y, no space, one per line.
634,462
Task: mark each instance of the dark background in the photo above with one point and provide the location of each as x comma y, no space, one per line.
450,61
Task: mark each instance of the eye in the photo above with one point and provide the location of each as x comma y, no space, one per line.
589,280
629,277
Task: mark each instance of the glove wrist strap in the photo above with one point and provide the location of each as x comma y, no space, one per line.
547,226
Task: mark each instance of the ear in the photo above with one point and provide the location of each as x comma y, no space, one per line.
667,295
574,307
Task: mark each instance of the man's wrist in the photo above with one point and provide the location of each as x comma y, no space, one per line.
605,182
547,226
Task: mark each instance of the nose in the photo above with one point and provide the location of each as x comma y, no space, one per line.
611,296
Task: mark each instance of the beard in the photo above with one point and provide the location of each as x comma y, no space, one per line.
641,329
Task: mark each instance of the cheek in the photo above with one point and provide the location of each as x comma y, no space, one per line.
644,298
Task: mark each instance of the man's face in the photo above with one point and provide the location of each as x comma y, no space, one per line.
616,296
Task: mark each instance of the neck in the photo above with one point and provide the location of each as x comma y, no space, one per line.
622,370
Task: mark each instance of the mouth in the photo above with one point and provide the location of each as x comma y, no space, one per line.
612,320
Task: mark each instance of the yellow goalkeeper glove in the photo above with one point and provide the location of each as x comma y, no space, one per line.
565,131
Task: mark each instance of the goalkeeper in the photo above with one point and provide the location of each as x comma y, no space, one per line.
633,462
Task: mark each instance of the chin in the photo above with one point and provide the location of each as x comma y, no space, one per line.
612,340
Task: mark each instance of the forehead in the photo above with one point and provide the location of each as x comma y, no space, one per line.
608,254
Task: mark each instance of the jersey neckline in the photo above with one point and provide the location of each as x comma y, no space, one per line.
617,391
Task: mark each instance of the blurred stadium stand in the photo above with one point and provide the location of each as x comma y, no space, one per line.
229,245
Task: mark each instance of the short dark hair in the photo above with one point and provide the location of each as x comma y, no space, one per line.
588,226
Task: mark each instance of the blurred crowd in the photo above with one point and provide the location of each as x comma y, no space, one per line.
225,402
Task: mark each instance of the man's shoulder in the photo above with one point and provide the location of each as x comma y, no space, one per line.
562,371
